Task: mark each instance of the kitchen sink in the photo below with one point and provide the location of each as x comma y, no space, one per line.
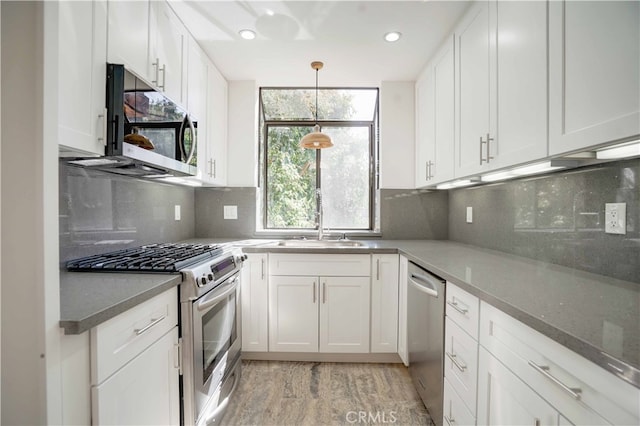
320,243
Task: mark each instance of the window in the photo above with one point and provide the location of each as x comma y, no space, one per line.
295,181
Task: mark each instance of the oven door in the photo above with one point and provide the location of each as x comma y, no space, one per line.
216,339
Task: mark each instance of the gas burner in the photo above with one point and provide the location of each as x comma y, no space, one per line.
166,257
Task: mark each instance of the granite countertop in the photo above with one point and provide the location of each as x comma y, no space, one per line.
88,299
595,316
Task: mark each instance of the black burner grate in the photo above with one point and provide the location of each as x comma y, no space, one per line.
168,257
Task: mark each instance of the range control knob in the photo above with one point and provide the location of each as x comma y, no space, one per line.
210,277
203,280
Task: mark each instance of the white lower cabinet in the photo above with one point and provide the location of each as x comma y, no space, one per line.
504,399
403,349
384,303
319,314
145,391
135,365
254,292
580,391
455,411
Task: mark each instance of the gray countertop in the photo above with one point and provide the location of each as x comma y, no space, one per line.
596,316
88,299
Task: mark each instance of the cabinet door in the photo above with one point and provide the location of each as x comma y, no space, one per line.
254,303
520,59
505,400
472,47
166,50
293,314
444,112
144,391
344,314
128,32
216,137
594,73
82,75
402,310
425,127
384,303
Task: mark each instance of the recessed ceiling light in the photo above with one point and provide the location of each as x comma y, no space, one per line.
247,34
392,36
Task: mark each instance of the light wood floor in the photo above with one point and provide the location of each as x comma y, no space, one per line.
312,393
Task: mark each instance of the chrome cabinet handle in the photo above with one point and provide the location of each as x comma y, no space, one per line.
210,168
103,135
378,269
314,292
262,266
324,292
488,142
450,420
457,307
214,169
544,370
153,322
454,359
156,65
164,76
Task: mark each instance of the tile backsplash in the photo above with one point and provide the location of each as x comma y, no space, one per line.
557,218
102,212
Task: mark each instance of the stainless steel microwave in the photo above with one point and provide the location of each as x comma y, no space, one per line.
148,135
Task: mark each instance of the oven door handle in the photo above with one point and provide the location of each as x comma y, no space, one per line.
219,294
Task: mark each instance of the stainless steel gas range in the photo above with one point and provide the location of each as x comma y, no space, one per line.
210,326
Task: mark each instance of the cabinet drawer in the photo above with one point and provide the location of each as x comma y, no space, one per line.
461,363
555,372
455,411
463,309
328,265
120,339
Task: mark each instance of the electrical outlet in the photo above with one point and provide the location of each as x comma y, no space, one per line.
177,211
615,218
230,212
469,214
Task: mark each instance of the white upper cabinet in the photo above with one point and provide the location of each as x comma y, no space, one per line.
167,46
435,126
82,76
474,94
128,31
521,63
502,86
149,39
215,163
594,56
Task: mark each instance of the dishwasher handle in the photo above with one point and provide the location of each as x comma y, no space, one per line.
424,284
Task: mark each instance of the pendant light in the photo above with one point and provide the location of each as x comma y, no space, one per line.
316,139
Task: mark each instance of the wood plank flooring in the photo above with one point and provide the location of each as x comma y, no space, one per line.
313,393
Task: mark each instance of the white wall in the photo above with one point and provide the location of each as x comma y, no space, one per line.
29,210
242,136
397,135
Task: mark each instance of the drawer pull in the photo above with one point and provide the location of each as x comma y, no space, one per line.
544,370
454,359
450,420
153,322
457,307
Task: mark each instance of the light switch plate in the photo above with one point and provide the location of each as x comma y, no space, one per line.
230,212
615,218
177,211
469,214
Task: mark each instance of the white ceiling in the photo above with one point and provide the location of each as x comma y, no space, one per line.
346,35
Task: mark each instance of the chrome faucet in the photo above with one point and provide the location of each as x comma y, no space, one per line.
319,213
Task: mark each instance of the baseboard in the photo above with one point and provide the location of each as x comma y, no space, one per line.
322,357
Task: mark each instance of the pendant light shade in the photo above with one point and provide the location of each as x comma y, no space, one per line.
316,139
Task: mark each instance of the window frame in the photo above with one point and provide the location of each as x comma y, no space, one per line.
373,126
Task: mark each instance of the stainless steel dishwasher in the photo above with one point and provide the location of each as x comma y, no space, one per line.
425,305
